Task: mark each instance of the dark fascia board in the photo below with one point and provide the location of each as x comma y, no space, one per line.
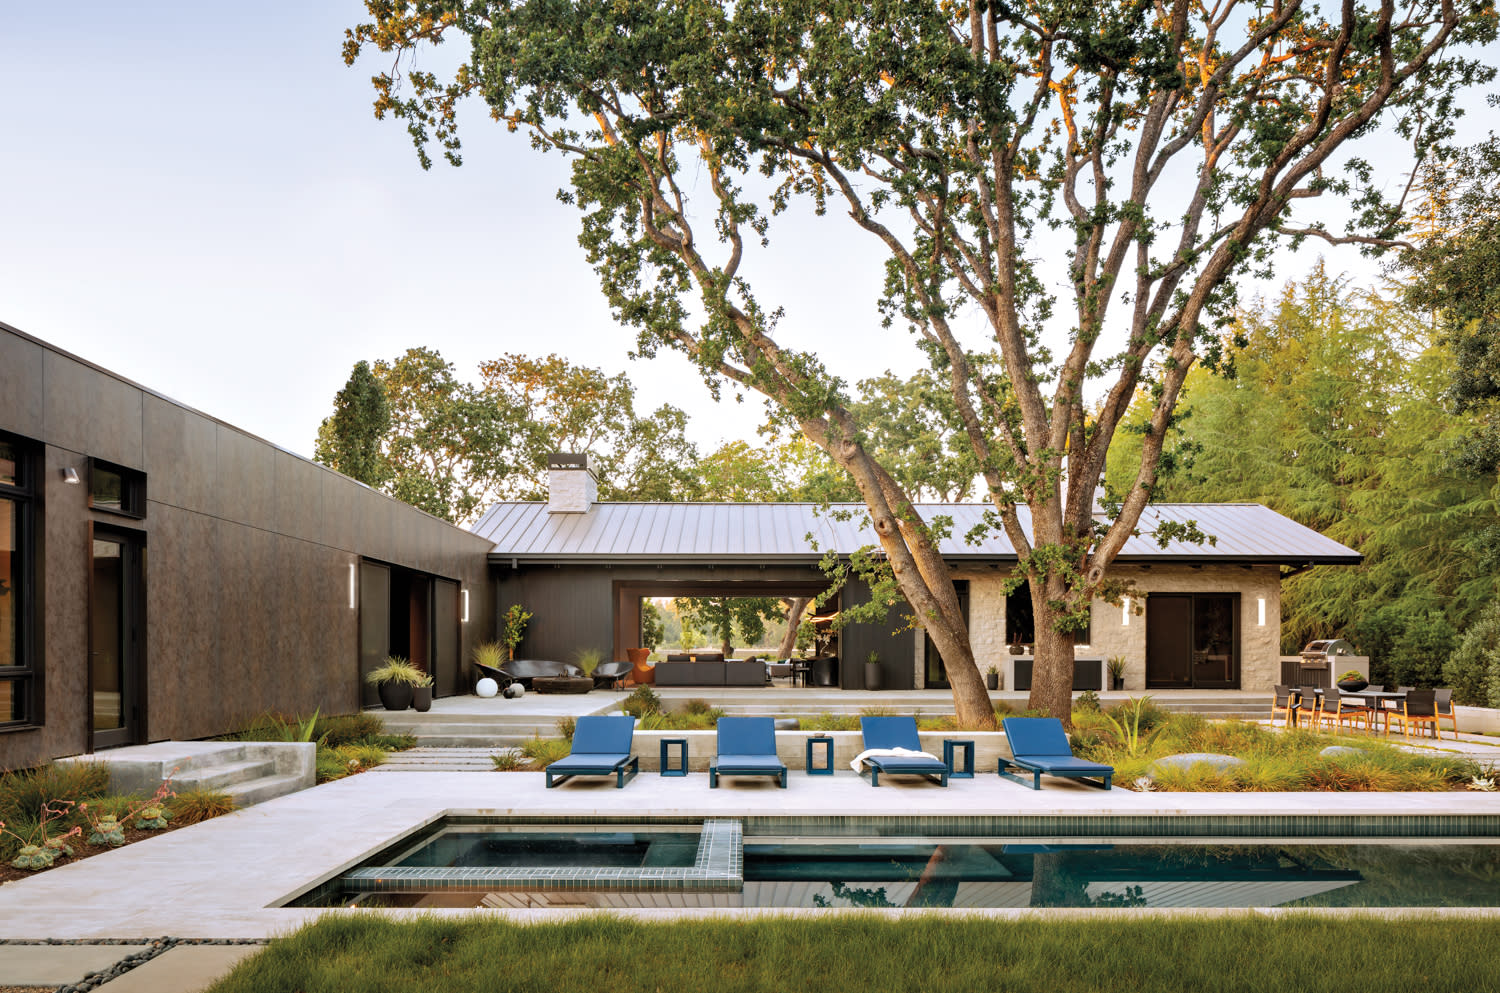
504,559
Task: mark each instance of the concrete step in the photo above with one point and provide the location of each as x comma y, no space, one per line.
253,791
423,759
484,740
224,775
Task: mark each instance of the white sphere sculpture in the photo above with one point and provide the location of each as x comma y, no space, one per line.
486,687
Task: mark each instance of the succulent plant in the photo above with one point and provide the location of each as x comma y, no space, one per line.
152,818
108,831
34,857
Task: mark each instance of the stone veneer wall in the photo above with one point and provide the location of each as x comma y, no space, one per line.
1260,645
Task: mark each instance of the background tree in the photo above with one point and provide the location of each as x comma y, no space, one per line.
352,439
724,616
1334,417
1163,144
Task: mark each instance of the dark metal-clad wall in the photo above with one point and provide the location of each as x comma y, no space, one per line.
575,607
248,550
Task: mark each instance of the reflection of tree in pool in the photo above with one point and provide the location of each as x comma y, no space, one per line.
1411,876
1061,879
856,896
934,888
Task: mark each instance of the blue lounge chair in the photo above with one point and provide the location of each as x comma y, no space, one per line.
898,732
747,747
601,747
1040,745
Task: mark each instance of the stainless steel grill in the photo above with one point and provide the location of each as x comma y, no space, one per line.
1317,660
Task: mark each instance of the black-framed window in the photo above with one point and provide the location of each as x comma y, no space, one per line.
116,489
1020,621
20,683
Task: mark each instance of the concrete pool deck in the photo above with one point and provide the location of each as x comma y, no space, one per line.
223,878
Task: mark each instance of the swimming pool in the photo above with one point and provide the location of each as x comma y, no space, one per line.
912,863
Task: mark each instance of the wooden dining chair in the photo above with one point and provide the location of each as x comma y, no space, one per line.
1444,700
1419,707
1281,702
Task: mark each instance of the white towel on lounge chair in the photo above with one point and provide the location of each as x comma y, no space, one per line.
891,753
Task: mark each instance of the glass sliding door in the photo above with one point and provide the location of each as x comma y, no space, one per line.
115,638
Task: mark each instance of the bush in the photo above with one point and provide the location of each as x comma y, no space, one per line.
566,726
1473,670
359,757
509,760
642,701
1418,655
192,806
544,751
696,707
348,729
23,793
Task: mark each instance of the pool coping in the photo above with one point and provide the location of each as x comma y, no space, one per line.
226,878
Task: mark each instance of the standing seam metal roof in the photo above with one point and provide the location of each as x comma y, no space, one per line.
1243,532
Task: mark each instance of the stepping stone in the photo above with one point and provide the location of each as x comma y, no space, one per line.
58,965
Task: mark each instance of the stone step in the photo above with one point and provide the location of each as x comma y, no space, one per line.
224,775
253,791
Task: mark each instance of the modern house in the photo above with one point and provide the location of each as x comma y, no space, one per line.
165,575
1202,616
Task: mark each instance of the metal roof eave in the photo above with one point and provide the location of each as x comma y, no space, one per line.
812,559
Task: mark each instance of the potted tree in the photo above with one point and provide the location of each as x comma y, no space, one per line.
992,678
1116,665
513,628
395,680
873,676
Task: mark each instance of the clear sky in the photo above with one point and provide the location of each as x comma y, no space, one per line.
197,196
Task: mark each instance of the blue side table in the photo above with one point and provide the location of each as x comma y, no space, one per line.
681,768
826,769
949,745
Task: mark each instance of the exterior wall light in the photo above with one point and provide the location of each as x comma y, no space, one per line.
1260,608
1125,614
465,595
70,476
353,587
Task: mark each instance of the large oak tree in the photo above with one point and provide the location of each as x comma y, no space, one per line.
1081,179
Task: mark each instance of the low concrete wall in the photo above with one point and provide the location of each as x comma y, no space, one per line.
1484,720
791,747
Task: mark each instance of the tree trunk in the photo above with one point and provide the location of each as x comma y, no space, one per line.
1052,670
971,701
794,613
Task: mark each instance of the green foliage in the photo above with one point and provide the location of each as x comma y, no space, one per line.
192,806
1335,418
697,706
544,751
366,953
489,653
25,792
1473,670
1088,700
588,659
723,616
566,726
513,627
652,628
348,728
1276,761
352,440
830,722
510,760
641,701
396,669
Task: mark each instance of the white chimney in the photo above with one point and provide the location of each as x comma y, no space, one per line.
571,486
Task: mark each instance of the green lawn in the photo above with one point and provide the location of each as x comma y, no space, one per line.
840,953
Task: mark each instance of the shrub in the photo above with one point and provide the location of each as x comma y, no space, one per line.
349,728
1418,655
642,701
831,722
359,757
1088,700
544,751
1473,670
566,726
510,760
696,707
192,806
330,766
23,793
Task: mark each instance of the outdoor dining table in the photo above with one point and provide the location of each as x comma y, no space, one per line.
1374,699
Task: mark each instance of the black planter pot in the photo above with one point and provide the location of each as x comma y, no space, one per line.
421,699
992,680
1117,682
1353,685
395,696
873,678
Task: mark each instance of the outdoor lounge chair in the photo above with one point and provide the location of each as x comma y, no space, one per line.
601,747
1040,745
747,747
893,733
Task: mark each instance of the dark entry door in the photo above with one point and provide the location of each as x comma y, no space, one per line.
445,621
1169,641
374,625
1192,640
937,672
117,606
